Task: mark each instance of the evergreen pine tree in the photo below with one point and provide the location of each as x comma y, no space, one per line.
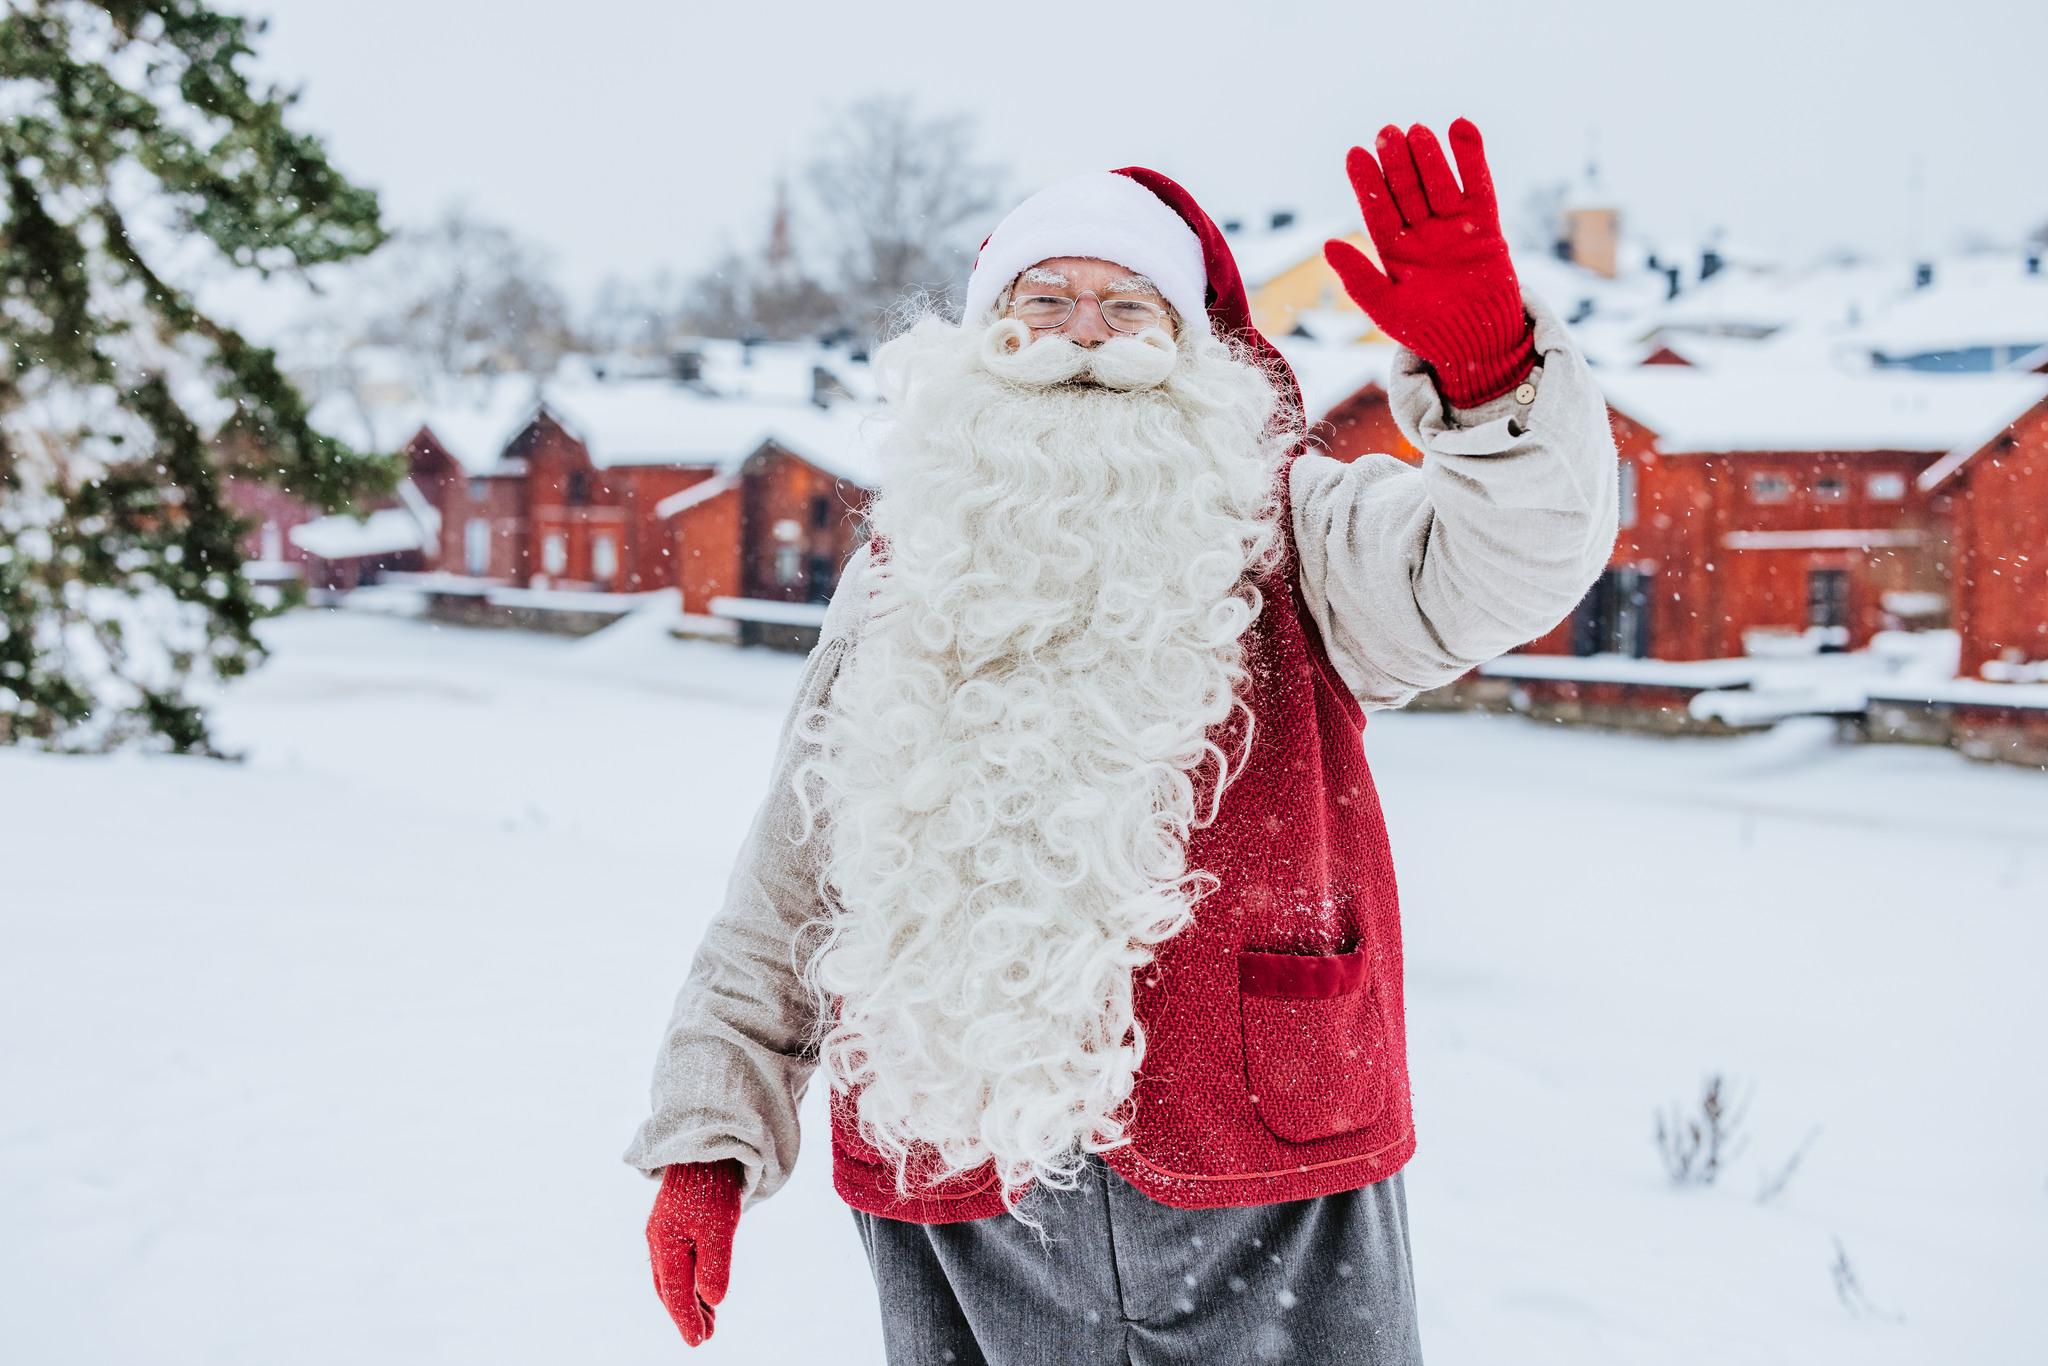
126,128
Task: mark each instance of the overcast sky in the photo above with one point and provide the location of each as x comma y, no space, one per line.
626,135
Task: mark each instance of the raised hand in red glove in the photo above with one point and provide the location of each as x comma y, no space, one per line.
1444,287
689,1239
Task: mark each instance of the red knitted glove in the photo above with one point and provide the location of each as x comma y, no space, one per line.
1444,287
689,1240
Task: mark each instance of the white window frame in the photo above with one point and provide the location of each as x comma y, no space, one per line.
476,546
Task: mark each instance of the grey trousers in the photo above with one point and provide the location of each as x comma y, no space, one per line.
1128,1281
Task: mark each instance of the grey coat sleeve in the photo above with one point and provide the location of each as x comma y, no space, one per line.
735,1061
1415,574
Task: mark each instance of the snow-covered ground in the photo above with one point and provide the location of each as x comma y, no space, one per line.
329,1056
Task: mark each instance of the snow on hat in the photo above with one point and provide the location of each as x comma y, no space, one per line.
1100,214
1138,218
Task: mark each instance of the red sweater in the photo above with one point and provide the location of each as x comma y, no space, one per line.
1276,1044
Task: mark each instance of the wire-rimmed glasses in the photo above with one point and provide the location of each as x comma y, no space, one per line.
1040,311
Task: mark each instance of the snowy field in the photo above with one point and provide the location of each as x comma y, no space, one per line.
329,1056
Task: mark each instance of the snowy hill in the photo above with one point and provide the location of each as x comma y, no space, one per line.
330,1056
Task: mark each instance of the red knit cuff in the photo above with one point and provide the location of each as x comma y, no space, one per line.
1482,351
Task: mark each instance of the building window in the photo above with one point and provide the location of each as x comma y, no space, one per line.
1889,487
554,553
476,546
578,492
1628,493
478,489
821,511
1827,599
789,565
1831,488
273,542
1769,488
604,558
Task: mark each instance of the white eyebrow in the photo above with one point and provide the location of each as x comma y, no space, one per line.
1042,275
1132,284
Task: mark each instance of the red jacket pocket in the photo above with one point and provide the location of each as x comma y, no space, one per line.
1315,1042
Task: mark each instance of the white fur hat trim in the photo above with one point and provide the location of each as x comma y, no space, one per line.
1103,215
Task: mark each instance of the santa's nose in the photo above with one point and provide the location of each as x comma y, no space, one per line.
1086,326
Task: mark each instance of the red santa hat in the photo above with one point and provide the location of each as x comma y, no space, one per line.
1137,218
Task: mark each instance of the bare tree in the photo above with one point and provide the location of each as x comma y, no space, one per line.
1694,1149
638,316
901,196
1773,1184
1849,1289
719,302
466,296
1540,221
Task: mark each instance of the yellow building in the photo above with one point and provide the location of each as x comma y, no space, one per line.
1290,284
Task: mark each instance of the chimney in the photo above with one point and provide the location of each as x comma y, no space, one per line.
1281,218
825,387
1593,237
1710,263
2034,261
1671,282
1923,274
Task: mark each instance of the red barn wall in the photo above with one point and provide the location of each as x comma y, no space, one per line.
1363,424
573,503
2001,545
781,493
649,560
1651,534
707,550
1735,587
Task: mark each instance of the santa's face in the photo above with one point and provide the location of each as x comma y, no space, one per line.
1122,296
1074,537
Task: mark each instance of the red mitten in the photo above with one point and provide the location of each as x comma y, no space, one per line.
1444,287
689,1240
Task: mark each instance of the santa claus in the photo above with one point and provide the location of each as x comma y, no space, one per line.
1072,875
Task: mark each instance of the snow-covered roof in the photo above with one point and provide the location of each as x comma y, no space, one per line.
696,494
339,536
770,611
473,418
1338,325
842,440
1747,300
476,426
1819,409
1329,373
1264,254
1972,301
776,370
643,422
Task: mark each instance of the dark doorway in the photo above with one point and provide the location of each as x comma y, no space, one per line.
1614,616
1827,605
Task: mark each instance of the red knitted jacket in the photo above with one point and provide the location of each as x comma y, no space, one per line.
1276,1047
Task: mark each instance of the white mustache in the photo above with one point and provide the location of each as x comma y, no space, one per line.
1140,361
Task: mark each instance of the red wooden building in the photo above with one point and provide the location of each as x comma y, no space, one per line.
1996,495
778,528
1780,501
290,539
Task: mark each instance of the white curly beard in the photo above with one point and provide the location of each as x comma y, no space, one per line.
1006,761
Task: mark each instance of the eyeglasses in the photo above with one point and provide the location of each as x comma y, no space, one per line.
1039,311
